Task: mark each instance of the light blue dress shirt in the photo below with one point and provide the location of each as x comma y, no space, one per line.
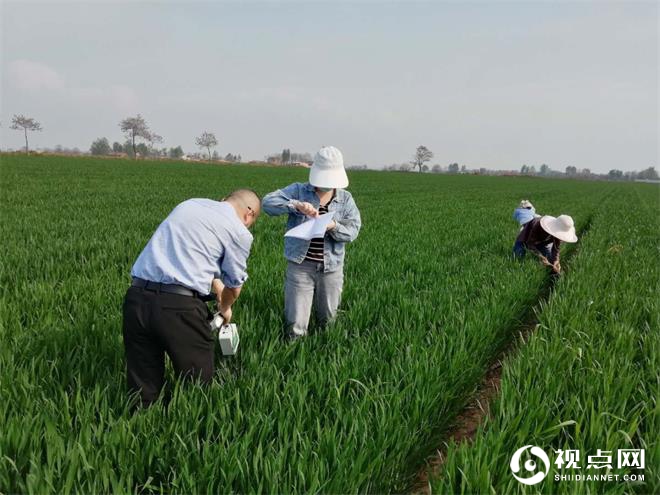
200,240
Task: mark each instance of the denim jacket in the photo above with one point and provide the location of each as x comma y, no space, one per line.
347,218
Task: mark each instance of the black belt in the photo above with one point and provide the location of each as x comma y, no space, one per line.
169,288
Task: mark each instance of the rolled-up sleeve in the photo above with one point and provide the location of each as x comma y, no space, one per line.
233,265
348,227
282,201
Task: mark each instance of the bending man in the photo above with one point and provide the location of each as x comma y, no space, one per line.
202,244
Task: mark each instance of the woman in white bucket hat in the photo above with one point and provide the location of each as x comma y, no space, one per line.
315,268
544,236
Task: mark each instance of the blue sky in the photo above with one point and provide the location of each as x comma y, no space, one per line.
483,84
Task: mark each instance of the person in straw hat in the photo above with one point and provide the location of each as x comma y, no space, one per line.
314,273
543,236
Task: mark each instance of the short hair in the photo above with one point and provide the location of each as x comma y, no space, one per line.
246,198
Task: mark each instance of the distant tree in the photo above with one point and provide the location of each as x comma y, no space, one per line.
100,147
453,168
117,147
142,150
239,159
25,124
128,149
136,128
405,167
532,170
422,155
154,139
524,170
648,174
436,169
176,153
483,171
586,172
463,169
425,168
545,170
615,174
207,140
301,157
286,156
571,171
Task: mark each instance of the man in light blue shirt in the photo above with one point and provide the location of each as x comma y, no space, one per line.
199,241
201,247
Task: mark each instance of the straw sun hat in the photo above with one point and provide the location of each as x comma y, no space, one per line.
561,227
328,169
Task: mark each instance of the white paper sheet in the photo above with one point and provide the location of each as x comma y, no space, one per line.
314,227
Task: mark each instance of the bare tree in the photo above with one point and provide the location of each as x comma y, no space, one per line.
207,140
422,155
153,140
137,128
21,122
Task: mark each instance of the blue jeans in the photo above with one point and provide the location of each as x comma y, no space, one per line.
307,286
519,250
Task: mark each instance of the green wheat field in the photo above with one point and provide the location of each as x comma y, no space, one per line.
431,299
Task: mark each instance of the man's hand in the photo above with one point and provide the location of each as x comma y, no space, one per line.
331,226
228,297
226,313
307,209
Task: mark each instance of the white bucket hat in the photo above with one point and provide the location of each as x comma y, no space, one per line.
328,169
561,227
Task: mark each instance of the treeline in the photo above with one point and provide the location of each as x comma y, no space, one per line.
142,142
287,157
102,147
527,170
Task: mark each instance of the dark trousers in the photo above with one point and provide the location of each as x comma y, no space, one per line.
156,323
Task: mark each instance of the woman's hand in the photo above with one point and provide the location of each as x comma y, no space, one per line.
307,209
